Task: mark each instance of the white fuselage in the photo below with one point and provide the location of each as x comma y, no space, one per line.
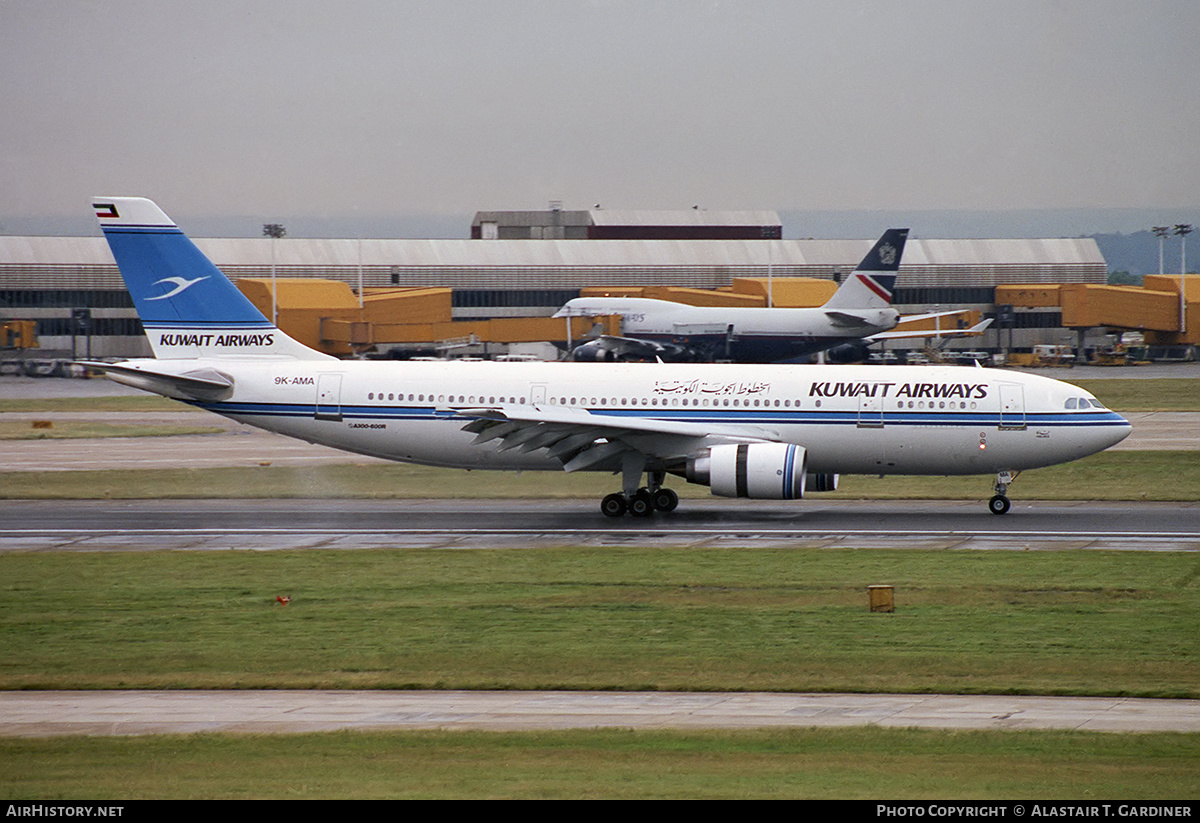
851,420
652,318
748,335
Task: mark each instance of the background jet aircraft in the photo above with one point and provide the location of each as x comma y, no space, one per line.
858,314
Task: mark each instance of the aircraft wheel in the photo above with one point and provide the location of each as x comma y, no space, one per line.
641,504
614,505
999,504
665,500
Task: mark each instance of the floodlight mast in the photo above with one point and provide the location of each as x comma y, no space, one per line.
274,231
1183,230
1161,232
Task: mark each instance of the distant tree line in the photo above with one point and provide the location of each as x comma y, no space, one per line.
1136,255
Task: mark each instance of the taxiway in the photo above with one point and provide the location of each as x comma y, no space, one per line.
42,714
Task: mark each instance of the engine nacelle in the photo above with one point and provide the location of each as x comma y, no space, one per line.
855,352
764,471
593,353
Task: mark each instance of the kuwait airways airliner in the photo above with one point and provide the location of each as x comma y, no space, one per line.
760,431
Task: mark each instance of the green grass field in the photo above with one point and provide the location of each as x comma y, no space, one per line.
75,430
1135,395
130,403
896,764
1101,623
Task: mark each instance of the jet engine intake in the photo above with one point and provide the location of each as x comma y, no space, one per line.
593,353
764,471
855,352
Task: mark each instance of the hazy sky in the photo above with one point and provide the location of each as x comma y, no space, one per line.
367,109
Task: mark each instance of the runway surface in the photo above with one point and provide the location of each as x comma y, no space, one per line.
147,525
40,714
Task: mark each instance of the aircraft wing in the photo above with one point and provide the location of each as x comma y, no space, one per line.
620,347
195,384
583,440
895,335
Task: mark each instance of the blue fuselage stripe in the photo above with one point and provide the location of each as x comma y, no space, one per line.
708,416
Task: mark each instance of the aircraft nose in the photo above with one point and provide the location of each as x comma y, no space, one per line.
1117,430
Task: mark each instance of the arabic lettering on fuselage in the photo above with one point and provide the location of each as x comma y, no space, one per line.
710,387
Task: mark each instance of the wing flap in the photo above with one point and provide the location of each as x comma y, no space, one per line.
583,440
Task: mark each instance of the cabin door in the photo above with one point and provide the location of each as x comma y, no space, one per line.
870,407
329,397
1012,406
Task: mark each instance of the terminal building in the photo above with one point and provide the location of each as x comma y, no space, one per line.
71,289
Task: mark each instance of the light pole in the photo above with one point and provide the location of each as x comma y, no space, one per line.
274,231
1161,233
1183,230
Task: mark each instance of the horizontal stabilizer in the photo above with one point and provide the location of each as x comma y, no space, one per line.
198,384
844,319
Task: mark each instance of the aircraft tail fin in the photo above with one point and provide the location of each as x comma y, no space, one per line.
188,308
872,284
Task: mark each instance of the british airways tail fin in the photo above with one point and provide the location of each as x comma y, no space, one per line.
871,285
188,308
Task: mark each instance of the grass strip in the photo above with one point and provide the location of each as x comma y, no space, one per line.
79,429
129,403
716,619
1137,395
900,764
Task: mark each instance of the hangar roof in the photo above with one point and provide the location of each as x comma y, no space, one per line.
23,251
633,217
683,217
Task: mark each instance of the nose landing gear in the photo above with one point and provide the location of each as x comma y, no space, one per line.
1000,504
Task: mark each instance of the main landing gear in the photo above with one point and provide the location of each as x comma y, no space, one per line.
1000,504
640,502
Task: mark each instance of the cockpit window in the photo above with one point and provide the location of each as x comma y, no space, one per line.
1072,402
1083,403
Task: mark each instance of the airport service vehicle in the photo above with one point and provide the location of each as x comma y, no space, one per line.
773,432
